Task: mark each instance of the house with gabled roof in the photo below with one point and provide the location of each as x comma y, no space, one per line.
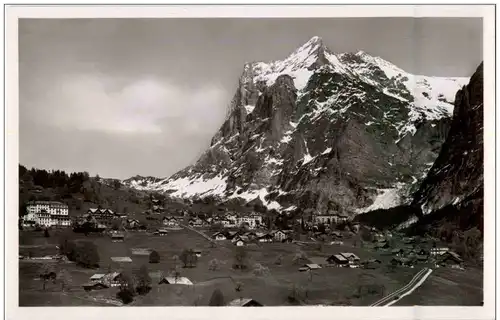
265,237
337,259
219,236
176,280
117,237
244,302
170,222
450,258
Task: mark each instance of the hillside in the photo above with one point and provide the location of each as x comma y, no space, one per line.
453,190
450,198
335,132
79,191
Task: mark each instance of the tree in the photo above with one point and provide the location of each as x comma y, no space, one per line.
46,273
240,258
87,255
65,278
175,269
126,291
217,299
154,257
321,227
143,280
188,258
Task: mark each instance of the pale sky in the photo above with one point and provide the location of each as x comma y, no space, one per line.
120,97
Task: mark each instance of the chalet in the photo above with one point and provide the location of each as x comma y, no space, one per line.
244,302
219,236
97,277
398,261
439,251
266,238
240,240
133,223
450,258
239,243
195,222
371,264
279,235
250,235
94,286
337,259
117,237
176,280
121,259
162,232
312,266
170,222
232,234
109,280
197,252
351,257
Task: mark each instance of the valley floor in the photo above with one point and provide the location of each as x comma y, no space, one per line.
326,286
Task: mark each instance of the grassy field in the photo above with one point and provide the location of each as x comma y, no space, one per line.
337,286
448,287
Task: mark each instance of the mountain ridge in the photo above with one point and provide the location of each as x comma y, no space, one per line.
342,126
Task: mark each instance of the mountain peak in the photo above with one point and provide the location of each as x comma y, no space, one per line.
315,45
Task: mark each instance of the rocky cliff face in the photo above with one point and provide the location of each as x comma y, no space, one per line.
333,132
453,188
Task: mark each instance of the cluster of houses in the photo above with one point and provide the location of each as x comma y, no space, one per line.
343,259
101,281
409,254
46,213
102,215
241,238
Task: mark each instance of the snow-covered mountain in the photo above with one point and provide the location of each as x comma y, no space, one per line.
323,130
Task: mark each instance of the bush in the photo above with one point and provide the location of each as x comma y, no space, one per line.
126,293
260,270
213,265
154,257
217,299
299,258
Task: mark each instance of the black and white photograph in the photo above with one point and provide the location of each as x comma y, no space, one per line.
251,161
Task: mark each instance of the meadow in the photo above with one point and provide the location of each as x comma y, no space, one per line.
272,287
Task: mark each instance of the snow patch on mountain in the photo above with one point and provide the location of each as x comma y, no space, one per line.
385,199
250,195
191,187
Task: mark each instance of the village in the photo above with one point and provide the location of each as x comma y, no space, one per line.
227,251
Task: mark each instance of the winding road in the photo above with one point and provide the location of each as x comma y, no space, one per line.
394,297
